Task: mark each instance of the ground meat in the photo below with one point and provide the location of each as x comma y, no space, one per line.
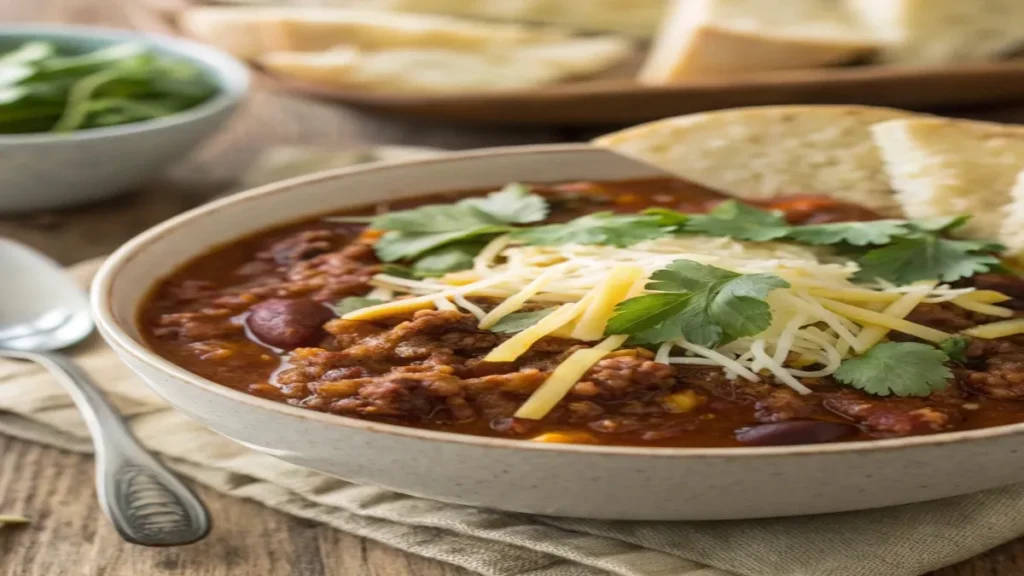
894,416
205,324
622,376
945,316
299,247
425,333
1002,378
780,404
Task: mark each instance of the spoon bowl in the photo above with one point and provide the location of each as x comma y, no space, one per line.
51,313
43,311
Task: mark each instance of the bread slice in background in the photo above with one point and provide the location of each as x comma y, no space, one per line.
1011,233
944,167
249,32
762,153
700,38
925,32
439,70
636,18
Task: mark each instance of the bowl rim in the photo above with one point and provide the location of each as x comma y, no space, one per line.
115,334
232,77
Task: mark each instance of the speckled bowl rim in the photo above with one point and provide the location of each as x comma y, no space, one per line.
231,76
112,330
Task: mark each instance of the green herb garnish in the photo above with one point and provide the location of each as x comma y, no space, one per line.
955,347
897,251
446,259
598,228
925,255
705,305
739,221
353,303
897,368
43,90
853,233
412,233
519,321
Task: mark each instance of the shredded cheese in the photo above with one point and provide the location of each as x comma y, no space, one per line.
1000,329
518,345
899,309
595,317
822,318
516,301
568,373
982,308
879,319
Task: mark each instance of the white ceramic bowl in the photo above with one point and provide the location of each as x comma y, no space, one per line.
554,479
46,171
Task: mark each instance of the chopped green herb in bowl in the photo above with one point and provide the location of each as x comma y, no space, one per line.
87,113
46,89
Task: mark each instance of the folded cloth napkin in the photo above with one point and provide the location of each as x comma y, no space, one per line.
900,541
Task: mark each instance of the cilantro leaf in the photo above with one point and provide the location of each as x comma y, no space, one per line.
412,233
398,270
941,224
687,276
898,368
435,218
668,218
924,256
702,304
446,259
854,233
739,221
955,347
650,318
353,303
513,204
396,245
738,305
519,321
599,228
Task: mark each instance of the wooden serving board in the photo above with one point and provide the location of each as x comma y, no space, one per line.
619,101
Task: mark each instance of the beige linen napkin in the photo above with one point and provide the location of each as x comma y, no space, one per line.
901,541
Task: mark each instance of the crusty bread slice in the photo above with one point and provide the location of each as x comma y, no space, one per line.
1012,231
249,32
944,167
637,18
446,70
714,37
941,31
765,152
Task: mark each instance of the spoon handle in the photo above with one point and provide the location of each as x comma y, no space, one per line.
147,504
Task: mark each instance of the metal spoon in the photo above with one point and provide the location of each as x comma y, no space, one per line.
42,311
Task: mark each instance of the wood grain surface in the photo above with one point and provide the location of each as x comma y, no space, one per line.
68,535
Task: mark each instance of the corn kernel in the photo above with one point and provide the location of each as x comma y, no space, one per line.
685,401
566,438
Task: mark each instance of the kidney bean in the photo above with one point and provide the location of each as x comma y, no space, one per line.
288,324
794,432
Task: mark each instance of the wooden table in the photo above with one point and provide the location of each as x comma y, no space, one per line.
68,535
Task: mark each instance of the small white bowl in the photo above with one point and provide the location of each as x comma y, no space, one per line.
45,170
608,482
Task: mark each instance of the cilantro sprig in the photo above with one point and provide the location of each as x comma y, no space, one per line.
411,234
600,228
897,368
924,254
705,305
898,251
